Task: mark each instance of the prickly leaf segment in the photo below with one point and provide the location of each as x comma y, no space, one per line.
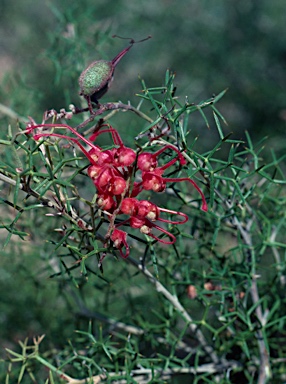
95,77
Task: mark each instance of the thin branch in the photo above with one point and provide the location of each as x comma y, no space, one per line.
264,366
12,114
144,375
277,257
119,325
46,202
8,180
176,303
111,107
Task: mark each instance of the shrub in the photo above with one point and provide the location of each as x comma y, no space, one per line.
157,289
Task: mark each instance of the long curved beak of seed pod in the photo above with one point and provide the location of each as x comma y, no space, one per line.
117,58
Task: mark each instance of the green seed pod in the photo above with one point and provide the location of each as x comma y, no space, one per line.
95,77
95,80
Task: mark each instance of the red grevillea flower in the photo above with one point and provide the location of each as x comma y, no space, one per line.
119,239
122,156
143,213
112,172
107,179
117,185
100,157
148,161
146,209
156,182
129,206
145,226
106,202
152,178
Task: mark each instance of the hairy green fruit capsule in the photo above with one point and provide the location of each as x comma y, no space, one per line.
95,80
95,77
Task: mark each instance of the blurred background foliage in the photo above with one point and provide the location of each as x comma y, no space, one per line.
211,45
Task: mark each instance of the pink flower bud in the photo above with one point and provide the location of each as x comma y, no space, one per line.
136,222
124,156
118,185
151,181
94,171
119,239
106,202
128,206
104,178
147,209
147,162
101,157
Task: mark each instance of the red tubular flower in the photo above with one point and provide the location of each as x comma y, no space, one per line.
145,209
204,206
155,182
128,206
101,157
161,230
152,178
148,210
175,213
119,239
148,161
94,171
139,209
115,135
123,156
30,128
152,212
146,226
108,182
136,222
106,202
117,185
104,177
37,136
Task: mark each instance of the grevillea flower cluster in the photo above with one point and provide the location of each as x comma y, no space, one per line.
120,174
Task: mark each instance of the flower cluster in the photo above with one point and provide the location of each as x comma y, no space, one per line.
120,174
